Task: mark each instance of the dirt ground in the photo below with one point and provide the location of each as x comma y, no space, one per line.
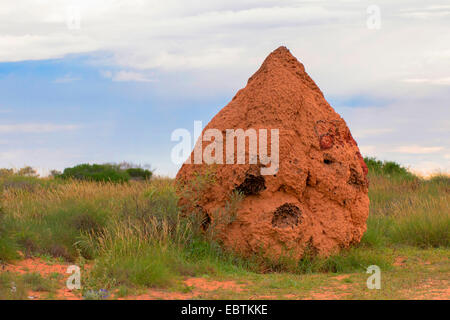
276,286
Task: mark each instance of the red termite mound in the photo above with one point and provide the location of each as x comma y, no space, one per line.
317,201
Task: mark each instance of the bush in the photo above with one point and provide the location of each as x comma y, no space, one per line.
388,168
96,172
139,173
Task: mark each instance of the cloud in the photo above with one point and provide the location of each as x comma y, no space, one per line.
127,76
363,133
15,48
438,81
36,128
427,168
233,37
416,149
368,150
428,12
42,159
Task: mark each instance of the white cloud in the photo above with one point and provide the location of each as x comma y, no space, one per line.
36,128
363,133
427,168
40,47
416,149
42,159
428,12
368,150
127,76
439,81
233,37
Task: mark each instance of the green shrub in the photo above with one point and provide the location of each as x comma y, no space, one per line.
139,173
96,172
388,168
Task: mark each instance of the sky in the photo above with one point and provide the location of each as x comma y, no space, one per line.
109,80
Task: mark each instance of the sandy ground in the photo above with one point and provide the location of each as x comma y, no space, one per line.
197,287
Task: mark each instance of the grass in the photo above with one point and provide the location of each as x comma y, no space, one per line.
37,283
408,212
17,287
134,236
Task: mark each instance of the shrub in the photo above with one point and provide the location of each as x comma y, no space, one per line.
388,168
139,173
96,172
27,172
6,172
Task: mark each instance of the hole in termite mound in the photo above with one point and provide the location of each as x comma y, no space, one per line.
251,185
287,215
355,178
206,222
328,159
204,218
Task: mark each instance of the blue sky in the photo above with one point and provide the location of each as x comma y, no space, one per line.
66,111
114,88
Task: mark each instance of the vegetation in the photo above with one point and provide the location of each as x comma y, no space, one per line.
105,173
388,169
133,234
14,287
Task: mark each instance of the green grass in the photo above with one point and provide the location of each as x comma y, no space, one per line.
37,283
17,287
57,232
408,211
12,287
